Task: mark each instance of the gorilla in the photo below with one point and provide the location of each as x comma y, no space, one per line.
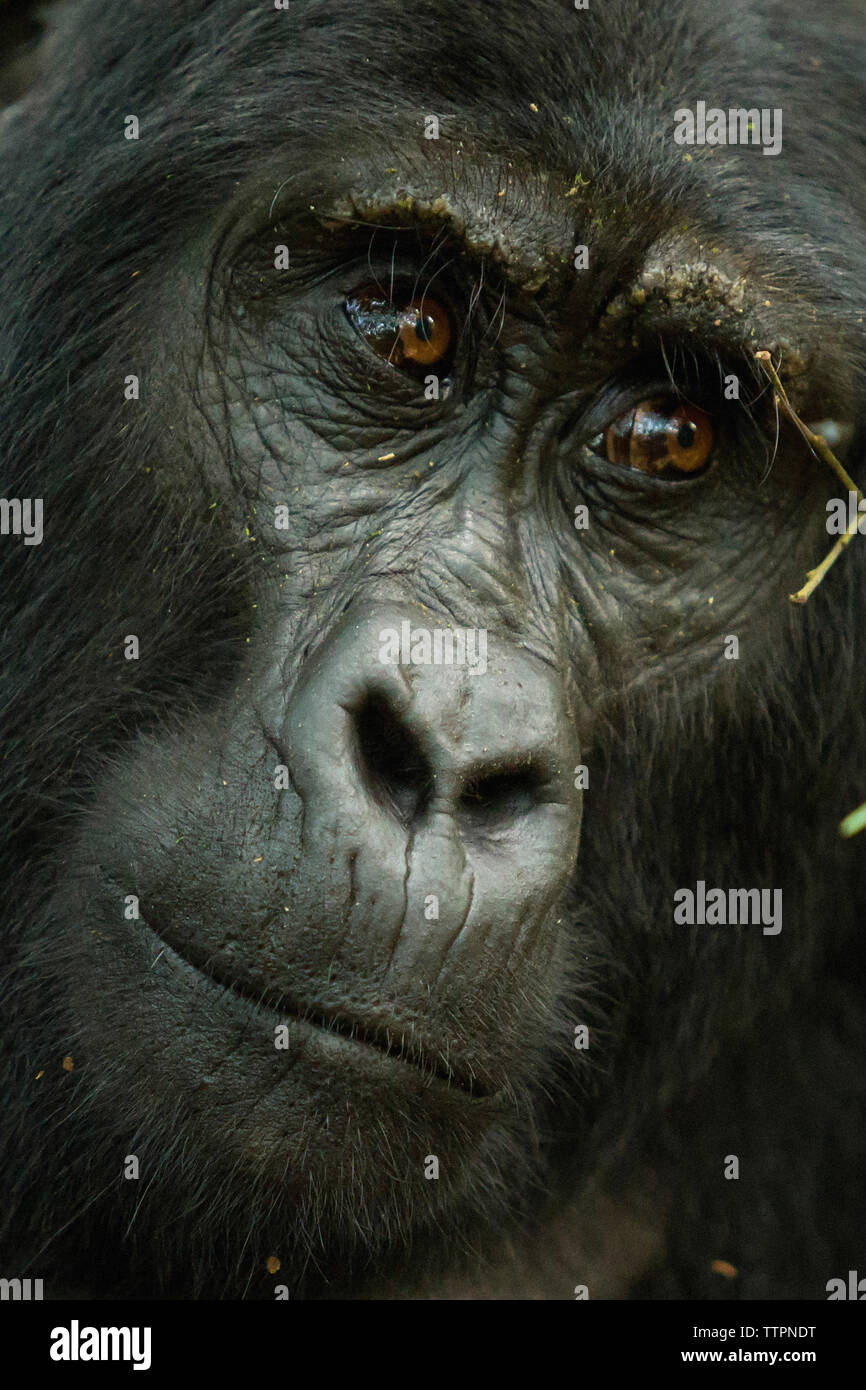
421,865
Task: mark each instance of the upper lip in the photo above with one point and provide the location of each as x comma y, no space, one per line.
385,1034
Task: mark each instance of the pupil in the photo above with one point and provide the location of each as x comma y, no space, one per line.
424,329
686,435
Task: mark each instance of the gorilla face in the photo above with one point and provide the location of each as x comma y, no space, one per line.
409,490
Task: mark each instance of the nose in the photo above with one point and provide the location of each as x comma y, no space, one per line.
435,766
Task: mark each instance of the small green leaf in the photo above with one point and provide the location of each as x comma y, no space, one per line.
854,822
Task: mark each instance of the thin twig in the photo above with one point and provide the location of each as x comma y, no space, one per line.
819,445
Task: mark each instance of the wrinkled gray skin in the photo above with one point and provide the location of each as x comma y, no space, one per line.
300,900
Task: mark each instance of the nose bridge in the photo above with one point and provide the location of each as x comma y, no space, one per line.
474,561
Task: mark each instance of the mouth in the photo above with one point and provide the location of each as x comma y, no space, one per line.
386,1037
391,1040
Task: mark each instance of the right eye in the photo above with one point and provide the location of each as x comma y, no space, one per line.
666,437
412,332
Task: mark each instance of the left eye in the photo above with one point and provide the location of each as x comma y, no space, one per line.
664,437
412,333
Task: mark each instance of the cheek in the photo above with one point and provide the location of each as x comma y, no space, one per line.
661,588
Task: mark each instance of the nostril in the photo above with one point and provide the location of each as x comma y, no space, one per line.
497,798
392,764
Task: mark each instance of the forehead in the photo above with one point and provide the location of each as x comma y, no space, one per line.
577,104
555,127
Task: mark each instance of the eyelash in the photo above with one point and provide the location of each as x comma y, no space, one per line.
740,421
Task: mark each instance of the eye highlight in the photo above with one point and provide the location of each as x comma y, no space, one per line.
412,333
665,437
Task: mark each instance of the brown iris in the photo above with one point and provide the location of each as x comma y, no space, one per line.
415,334
664,437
